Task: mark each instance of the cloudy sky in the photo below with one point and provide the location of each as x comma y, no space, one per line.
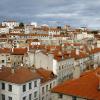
59,12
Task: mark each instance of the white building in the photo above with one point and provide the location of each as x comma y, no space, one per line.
61,64
5,58
19,84
35,42
29,29
54,31
34,24
10,24
48,81
4,29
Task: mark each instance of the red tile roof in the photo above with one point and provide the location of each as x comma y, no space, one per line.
95,50
19,51
61,55
45,74
20,75
5,50
85,87
78,56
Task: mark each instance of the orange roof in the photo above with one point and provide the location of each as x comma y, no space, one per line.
45,74
61,55
84,87
20,75
78,56
19,51
46,47
5,50
35,40
95,50
31,34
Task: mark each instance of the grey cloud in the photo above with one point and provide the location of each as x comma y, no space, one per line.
74,12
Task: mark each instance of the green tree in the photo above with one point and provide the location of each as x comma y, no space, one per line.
21,25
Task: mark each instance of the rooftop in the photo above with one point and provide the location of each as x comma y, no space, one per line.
19,75
46,75
87,86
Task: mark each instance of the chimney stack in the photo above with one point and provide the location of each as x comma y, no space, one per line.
12,49
12,70
77,51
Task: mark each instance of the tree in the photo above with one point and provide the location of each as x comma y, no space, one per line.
21,25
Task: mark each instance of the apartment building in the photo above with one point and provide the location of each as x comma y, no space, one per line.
19,84
11,24
48,81
59,62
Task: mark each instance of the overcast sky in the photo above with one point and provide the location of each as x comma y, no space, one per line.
72,12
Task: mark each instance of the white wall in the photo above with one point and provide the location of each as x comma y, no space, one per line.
17,90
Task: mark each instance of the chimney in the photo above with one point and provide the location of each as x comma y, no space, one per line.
77,51
12,49
76,72
28,48
92,46
21,64
12,70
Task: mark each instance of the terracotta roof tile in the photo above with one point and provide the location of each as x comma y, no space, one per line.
19,51
5,50
95,50
45,74
20,75
85,87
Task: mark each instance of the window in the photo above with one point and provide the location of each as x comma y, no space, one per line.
3,86
10,88
30,96
35,83
2,97
50,85
46,88
60,96
62,66
59,68
73,98
30,85
36,99
8,58
24,88
42,90
24,98
35,94
3,61
54,83
42,98
9,98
